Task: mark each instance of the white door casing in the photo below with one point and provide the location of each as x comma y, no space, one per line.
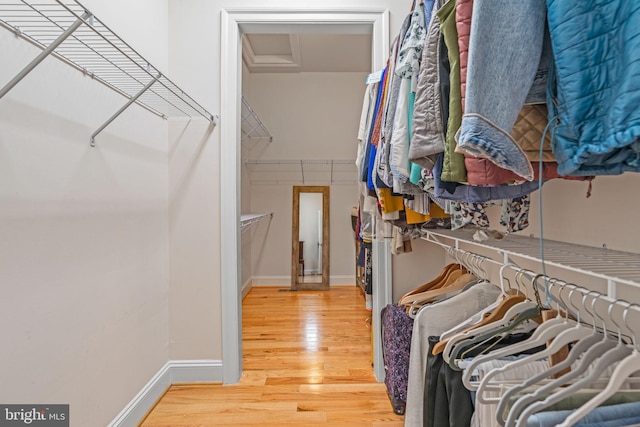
235,22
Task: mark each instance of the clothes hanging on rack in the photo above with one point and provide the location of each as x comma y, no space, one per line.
406,69
428,127
594,355
485,413
497,357
514,217
398,327
596,94
431,321
446,400
459,123
607,416
510,34
453,168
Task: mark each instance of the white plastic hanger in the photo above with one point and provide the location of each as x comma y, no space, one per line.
565,337
461,350
605,360
473,320
545,332
561,330
621,373
511,313
576,351
592,354
497,330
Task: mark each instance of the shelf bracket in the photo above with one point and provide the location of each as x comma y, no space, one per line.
331,178
46,52
133,99
612,289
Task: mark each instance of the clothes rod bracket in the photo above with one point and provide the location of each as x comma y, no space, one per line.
124,107
46,52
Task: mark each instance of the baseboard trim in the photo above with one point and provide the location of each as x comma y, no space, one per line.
196,371
271,281
246,287
342,280
173,372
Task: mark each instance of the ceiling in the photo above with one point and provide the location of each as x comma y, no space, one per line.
295,53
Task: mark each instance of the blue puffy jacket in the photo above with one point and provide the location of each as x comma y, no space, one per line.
596,99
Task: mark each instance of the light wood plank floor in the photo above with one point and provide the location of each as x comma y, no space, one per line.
307,362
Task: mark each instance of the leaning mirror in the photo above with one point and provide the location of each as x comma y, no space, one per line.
310,238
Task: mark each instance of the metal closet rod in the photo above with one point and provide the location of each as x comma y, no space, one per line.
301,164
97,49
300,161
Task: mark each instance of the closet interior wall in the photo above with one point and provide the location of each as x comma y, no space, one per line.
245,202
569,216
312,116
84,247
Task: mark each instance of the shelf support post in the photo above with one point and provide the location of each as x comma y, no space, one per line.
331,178
133,99
46,52
612,289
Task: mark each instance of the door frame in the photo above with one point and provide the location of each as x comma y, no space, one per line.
235,22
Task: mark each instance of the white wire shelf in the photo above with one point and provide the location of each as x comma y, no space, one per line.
251,126
68,31
610,265
295,171
249,220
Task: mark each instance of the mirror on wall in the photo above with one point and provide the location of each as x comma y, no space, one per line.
310,238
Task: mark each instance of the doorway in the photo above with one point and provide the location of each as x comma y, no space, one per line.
234,24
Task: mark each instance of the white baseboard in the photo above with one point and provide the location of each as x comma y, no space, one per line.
173,372
246,287
196,371
343,280
271,280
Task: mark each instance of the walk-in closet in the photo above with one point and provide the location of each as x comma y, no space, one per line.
374,213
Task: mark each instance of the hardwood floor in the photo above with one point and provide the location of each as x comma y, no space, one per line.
307,362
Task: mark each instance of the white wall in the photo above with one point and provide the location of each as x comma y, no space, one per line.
245,204
195,242
311,116
607,217
84,248
415,268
